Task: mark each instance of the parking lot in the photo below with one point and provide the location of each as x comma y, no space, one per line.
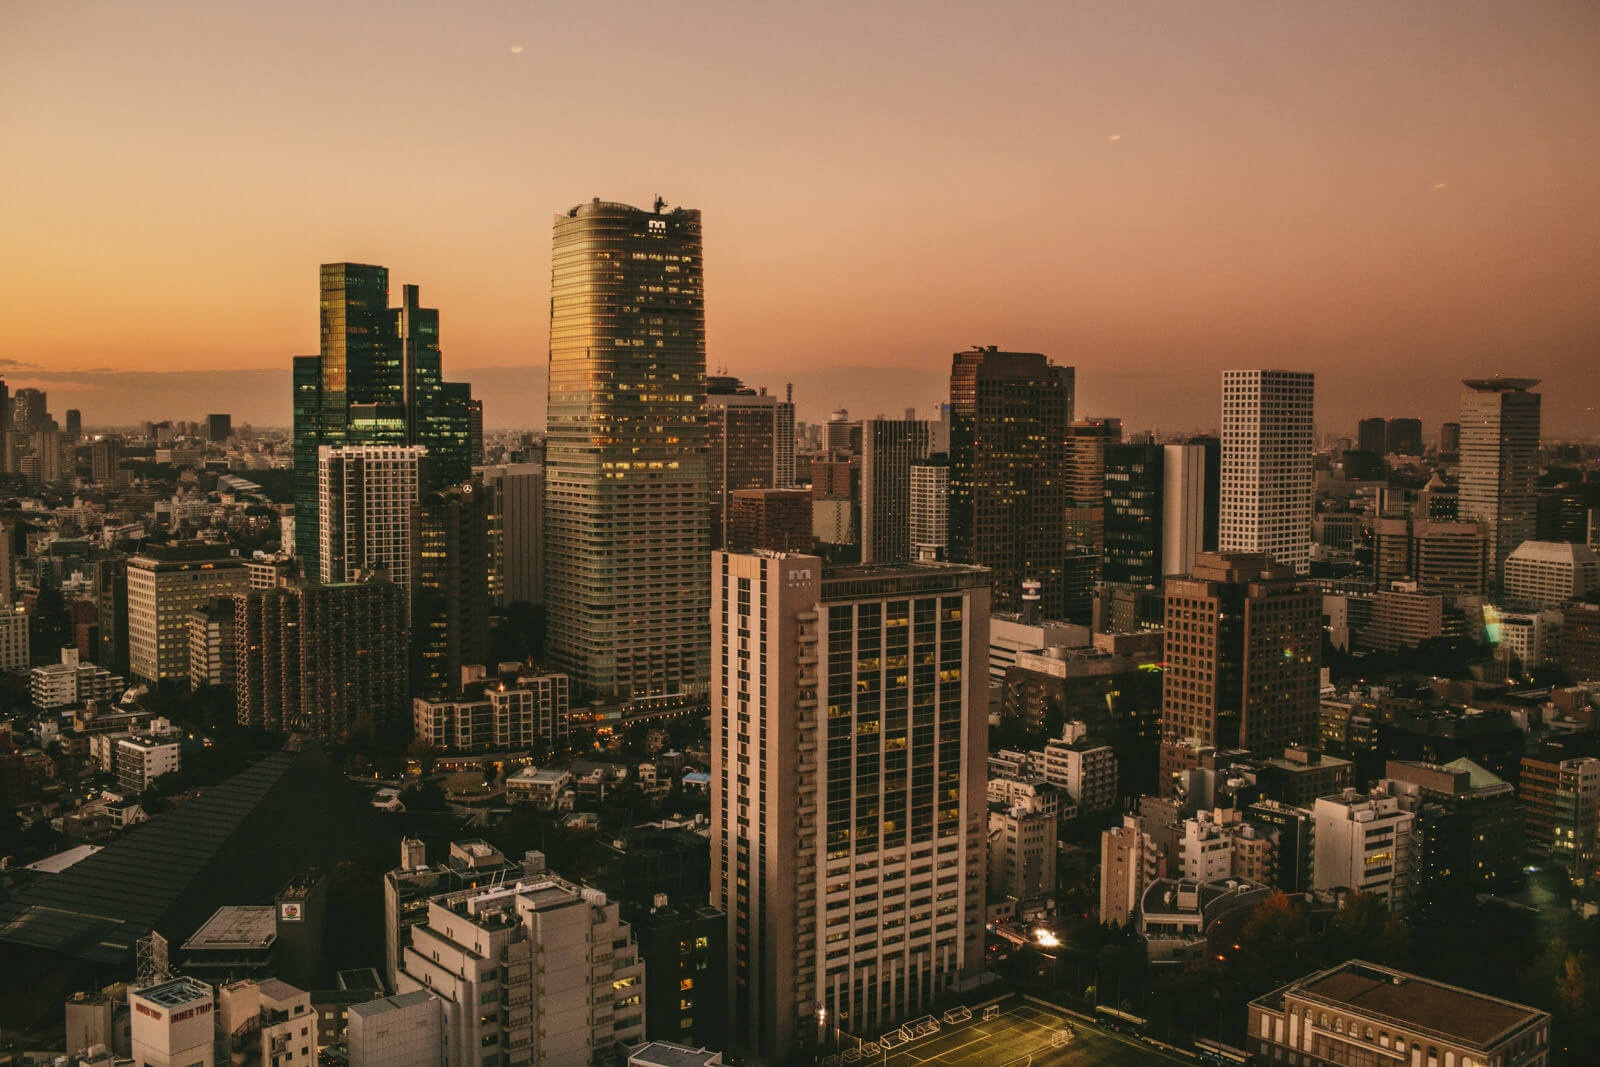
1023,1034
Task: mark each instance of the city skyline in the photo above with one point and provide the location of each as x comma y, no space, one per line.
1196,199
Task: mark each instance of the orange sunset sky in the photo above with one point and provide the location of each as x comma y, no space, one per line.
1393,195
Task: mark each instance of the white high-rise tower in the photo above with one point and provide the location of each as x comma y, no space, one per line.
1267,485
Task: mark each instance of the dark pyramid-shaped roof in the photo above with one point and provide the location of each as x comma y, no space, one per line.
237,843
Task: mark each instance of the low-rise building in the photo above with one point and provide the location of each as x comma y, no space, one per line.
1363,842
1022,850
72,681
1359,1012
173,1024
141,759
266,1022
1087,771
540,970
406,1030
520,709
540,786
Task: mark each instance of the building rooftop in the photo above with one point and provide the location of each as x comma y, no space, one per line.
175,992
1419,1003
62,860
666,1054
400,1002
1553,552
1498,384
254,926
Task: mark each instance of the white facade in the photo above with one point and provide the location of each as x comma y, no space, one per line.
534,709
400,1031
1010,635
930,510
172,1024
138,761
1548,574
367,499
1183,506
540,970
1267,441
1087,772
1363,841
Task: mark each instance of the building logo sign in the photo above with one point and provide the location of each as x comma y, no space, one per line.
291,911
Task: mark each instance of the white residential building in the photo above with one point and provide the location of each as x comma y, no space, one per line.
1541,575
514,713
535,971
930,509
56,685
1363,841
1086,771
1267,441
368,499
267,1022
140,760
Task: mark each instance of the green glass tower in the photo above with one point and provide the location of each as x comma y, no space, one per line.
378,380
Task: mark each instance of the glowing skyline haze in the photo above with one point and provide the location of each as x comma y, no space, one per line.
1392,196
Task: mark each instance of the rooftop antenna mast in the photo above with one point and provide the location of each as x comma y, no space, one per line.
151,959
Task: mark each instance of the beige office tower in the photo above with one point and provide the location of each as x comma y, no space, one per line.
627,529
1267,441
1500,462
849,739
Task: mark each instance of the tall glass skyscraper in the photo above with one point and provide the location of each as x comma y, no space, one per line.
1009,417
627,530
378,380
1500,461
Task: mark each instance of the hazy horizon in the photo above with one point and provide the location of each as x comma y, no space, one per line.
1392,196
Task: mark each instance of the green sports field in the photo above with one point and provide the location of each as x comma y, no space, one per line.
1024,1034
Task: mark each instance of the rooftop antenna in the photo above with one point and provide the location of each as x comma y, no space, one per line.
151,959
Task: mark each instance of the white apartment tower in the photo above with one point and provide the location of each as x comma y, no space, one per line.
1500,461
1267,482
930,509
848,818
367,498
535,971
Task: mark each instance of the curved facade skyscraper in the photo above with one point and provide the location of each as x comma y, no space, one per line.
627,531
